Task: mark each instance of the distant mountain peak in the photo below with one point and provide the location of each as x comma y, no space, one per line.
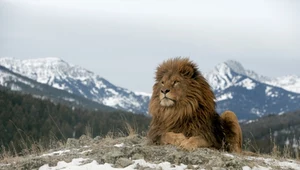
227,67
236,66
224,74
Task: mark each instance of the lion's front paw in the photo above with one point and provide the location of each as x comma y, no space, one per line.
188,145
173,138
193,143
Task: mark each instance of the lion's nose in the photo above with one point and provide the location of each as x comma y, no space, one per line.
165,91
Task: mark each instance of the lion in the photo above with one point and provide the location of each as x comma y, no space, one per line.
183,111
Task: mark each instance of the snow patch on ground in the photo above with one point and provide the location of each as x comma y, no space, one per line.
119,145
76,164
228,155
56,153
87,151
290,164
3,165
256,168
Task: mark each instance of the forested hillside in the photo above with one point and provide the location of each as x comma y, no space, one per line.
25,120
274,133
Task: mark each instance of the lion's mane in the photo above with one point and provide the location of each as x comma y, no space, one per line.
192,115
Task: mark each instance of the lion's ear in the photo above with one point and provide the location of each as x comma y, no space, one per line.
188,71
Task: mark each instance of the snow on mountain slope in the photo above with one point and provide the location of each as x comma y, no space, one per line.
247,94
221,77
7,77
290,82
25,85
259,100
74,79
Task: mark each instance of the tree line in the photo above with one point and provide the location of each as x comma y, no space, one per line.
25,119
275,134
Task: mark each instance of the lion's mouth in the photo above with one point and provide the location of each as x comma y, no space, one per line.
167,102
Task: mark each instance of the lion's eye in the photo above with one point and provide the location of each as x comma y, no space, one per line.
162,83
175,83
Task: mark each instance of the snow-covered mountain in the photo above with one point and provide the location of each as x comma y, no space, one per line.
79,81
17,82
220,77
251,95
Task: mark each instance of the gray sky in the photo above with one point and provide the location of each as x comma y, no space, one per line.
124,40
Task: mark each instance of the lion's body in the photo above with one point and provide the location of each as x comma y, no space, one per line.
183,110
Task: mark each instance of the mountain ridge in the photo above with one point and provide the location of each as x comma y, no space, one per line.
242,91
288,82
17,82
77,80
249,94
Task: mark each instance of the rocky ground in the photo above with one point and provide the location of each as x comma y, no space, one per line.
123,152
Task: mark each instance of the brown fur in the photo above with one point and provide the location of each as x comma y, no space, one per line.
233,132
183,110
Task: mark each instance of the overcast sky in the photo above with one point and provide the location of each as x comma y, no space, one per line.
124,40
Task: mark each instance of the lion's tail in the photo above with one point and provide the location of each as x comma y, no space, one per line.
233,132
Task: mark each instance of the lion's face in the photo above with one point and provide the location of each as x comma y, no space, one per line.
171,89
180,89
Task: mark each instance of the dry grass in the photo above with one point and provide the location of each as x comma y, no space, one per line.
27,145
289,150
130,130
89,131
249,145
275,150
